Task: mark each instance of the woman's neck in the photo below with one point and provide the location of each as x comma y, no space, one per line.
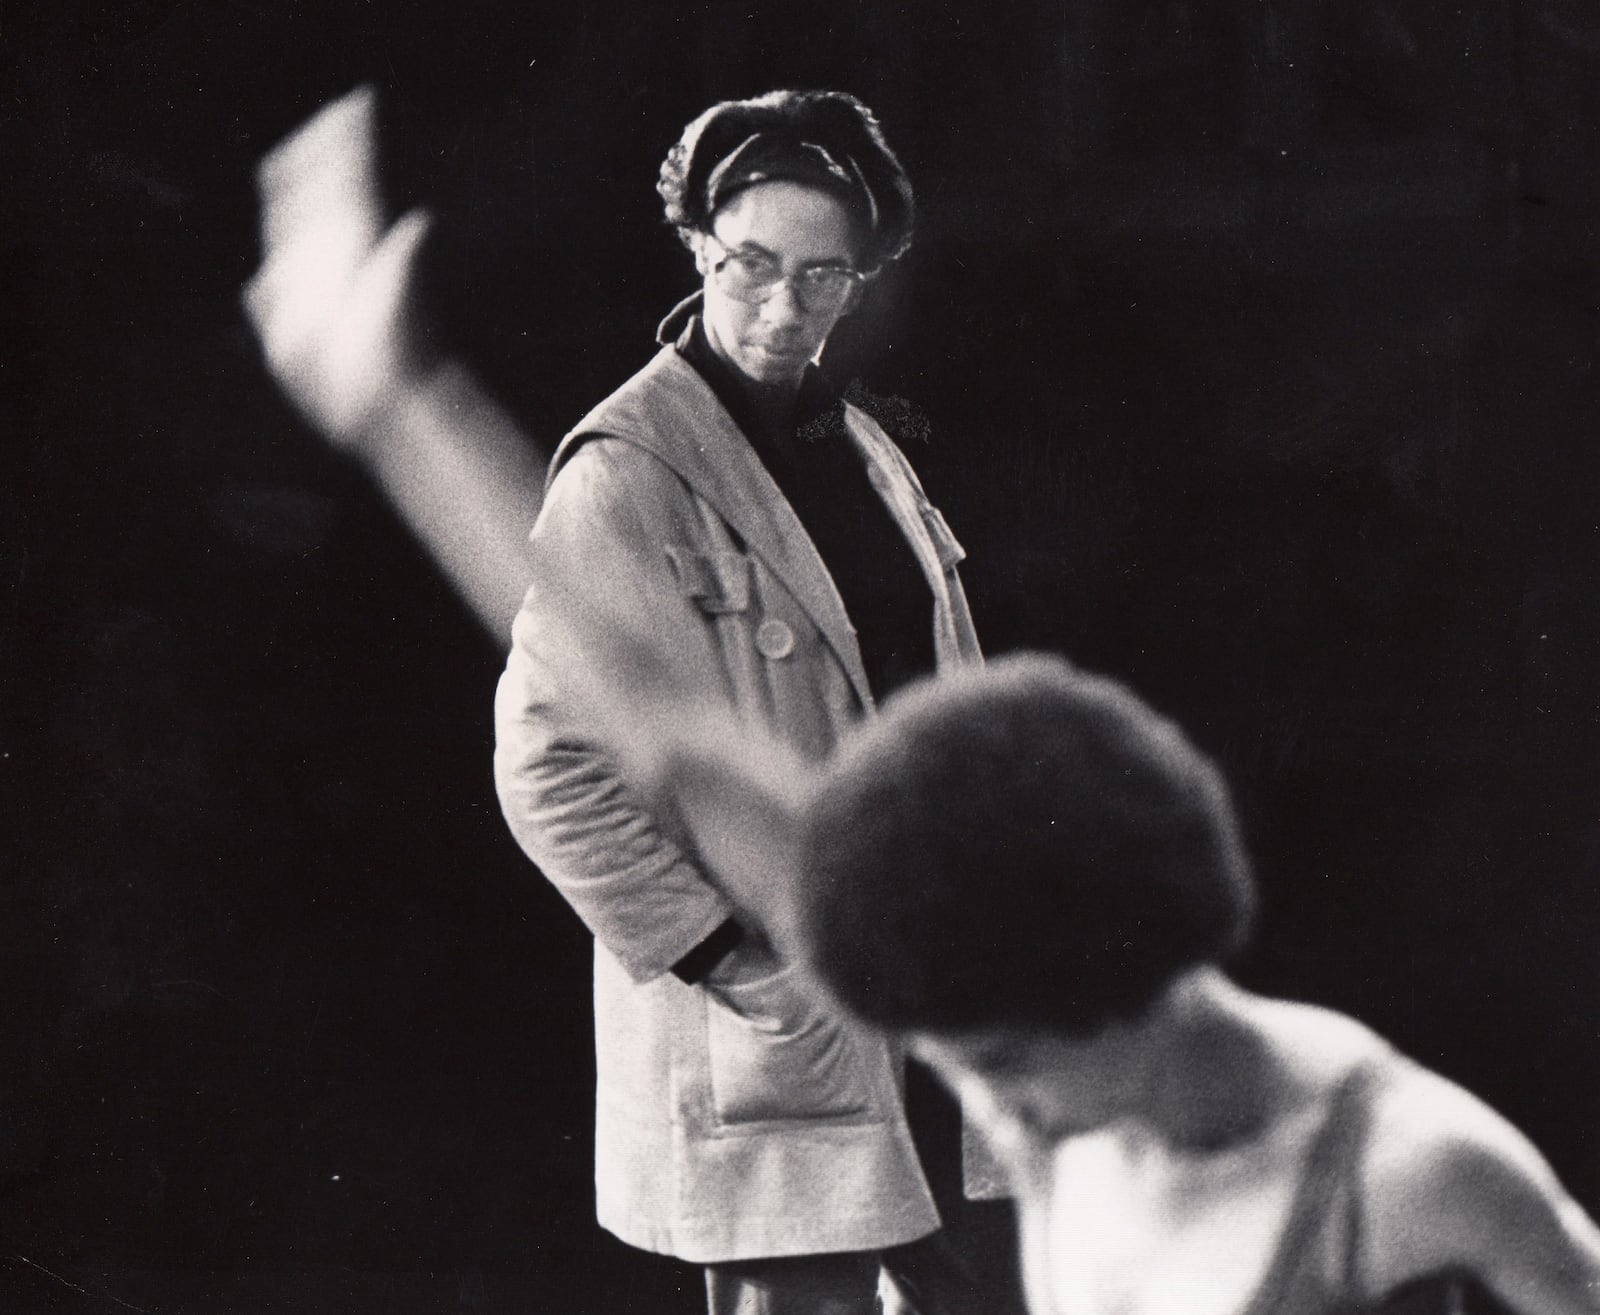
1220,1079
772,407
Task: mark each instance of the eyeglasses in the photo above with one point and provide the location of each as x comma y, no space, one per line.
753,277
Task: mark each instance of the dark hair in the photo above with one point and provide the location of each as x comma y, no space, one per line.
1025,845
827,139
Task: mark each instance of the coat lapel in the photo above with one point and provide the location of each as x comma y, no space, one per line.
669,409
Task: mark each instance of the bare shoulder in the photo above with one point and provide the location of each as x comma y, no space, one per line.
1323,1045
1449,1184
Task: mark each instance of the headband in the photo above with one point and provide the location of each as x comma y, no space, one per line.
765,157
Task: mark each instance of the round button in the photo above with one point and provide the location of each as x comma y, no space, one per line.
877,476
774,639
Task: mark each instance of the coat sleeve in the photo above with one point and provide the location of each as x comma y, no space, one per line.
608,644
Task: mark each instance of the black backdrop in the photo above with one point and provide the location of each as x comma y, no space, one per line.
1256,344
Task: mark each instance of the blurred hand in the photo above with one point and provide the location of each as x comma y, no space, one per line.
777,1048
332,301
753,981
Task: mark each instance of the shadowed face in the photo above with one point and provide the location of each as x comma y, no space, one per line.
801,237
1050,1085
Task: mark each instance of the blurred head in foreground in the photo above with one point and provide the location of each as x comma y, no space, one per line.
1027,845
1014,866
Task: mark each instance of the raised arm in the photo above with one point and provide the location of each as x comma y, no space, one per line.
334,307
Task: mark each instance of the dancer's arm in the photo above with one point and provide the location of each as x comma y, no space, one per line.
1451,1185
333,305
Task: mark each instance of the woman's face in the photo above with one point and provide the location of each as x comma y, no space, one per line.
1043,1084
783,228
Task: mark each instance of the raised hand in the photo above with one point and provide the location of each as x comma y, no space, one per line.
334,306
333,300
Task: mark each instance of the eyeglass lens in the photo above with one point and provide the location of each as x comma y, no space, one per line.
757,280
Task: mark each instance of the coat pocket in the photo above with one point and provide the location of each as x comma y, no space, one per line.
774,1055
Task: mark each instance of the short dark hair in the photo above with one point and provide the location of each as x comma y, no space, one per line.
827,139
1025,845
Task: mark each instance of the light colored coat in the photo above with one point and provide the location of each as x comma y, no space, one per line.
719,1135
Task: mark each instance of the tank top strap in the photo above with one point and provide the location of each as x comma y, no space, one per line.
1312,1268
1356,1098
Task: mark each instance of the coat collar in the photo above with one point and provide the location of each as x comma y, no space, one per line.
678,318
670,411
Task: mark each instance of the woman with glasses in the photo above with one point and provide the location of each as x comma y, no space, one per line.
727,529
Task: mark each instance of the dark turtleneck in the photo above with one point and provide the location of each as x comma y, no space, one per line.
801,439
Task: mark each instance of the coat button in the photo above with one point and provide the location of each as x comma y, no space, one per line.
774,639
877,476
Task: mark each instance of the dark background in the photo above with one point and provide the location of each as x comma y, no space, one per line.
1256,344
